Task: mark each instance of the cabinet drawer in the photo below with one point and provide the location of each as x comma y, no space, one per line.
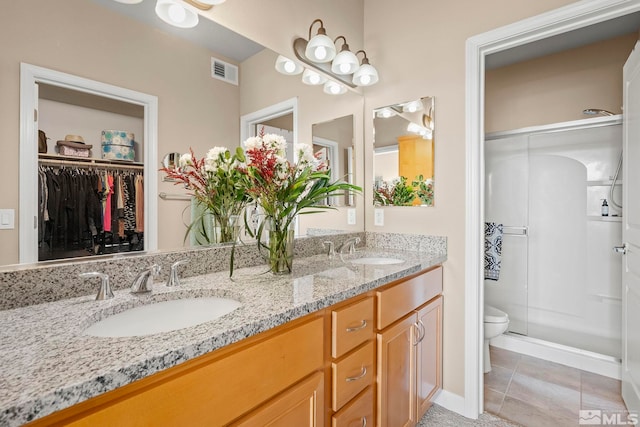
357,413
351,375
399,299
351,326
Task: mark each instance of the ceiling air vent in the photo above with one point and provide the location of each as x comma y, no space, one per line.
224,71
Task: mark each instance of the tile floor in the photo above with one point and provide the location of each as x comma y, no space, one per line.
537,393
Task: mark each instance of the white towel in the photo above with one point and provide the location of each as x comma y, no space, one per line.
492,250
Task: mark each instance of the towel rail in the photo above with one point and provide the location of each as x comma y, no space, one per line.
166,196
515,231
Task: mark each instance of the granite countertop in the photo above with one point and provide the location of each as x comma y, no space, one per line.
47,364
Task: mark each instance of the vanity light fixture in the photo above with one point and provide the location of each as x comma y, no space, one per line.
287,66
412,107
316,55
420,130
320,48
333,88
345,62
366,75
385,113
211,2
310,77
177,14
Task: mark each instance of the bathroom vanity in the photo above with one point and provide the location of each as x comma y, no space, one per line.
307,349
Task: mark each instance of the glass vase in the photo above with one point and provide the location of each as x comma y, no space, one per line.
280,247
226,229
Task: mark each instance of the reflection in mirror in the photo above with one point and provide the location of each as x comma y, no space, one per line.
170,160
333,144
198,111
404,153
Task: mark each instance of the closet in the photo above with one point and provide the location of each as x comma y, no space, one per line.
88,205
88,208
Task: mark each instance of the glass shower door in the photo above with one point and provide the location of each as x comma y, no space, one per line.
506,203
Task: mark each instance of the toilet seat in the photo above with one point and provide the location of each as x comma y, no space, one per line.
493,315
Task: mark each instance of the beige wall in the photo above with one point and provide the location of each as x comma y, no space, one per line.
556,88
81,38
421,52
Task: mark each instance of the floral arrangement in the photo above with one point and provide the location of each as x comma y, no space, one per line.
283,190
218,183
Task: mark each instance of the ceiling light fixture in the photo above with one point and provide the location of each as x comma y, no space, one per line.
129,1
317,53
287,66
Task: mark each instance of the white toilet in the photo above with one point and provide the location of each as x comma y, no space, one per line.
496,322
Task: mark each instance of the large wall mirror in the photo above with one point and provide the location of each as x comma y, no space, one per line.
195,110
404,153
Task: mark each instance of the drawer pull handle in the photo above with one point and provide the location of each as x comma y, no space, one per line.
358,328
364,421
362,374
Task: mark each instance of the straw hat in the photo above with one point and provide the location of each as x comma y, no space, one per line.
75,141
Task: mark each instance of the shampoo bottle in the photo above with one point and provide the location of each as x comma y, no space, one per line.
605,208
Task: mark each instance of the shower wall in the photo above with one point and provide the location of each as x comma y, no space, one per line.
560,279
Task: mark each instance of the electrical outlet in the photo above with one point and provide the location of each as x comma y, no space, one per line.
351,216
378,217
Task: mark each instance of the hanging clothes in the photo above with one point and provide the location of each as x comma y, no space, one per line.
84,211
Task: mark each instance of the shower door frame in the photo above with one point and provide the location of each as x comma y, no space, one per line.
559,21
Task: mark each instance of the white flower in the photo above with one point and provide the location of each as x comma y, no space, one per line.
252,143
212,161
275,142
305,156
185,160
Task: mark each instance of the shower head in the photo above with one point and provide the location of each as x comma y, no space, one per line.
595,111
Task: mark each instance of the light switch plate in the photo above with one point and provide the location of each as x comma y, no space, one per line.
351,216
378,217
7,219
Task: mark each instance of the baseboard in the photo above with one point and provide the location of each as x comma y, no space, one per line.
569,356
450,401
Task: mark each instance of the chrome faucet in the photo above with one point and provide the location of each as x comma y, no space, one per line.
144,281
331,252
174,279
105,289
349,245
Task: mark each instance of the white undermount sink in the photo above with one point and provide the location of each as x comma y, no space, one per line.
377,261
163,316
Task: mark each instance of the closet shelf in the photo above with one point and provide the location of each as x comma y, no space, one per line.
55,159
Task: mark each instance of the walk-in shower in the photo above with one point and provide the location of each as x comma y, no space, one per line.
560,281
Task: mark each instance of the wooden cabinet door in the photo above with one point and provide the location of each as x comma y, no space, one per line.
397,374
300,406
429,354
